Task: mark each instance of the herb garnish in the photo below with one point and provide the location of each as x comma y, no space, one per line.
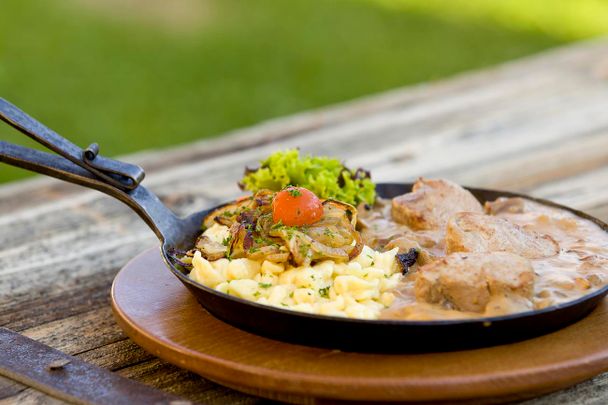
304,249
260,241
227,242
324,292
278,225
326,177
294,192
327,232
265,285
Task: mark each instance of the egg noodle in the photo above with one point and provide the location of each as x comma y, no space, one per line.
360,288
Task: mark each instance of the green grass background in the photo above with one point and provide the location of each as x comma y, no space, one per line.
132,83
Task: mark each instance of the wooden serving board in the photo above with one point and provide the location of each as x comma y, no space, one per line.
159,314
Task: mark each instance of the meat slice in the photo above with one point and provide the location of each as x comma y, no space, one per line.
431,203
476,232
473,282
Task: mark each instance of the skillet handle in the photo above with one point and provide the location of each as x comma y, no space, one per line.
120,174
169,228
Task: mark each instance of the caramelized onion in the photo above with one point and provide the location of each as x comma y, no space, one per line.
254,235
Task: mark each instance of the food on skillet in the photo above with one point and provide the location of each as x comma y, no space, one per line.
291,249
519,255
290,225
434,253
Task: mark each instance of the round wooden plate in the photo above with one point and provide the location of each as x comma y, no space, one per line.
159,314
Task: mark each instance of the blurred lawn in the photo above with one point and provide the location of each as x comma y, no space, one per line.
142,74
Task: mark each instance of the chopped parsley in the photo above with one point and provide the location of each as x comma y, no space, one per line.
265,285
304,249
226,242
324,292
294,192
278,225
372,259
256,294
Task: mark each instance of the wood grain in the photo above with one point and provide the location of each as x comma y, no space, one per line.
537,125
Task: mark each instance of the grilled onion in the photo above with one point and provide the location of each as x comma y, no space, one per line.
254,235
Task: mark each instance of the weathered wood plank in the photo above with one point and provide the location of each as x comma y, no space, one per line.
31,397
94,329
116,356
184,383
60,289
9,388
590,392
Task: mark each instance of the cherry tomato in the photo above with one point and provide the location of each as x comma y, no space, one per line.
296,206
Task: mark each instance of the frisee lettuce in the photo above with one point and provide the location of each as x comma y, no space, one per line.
324,176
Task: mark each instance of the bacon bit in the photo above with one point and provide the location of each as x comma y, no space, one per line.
407,260
248,239
261,202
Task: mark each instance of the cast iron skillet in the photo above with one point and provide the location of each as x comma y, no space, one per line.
121,181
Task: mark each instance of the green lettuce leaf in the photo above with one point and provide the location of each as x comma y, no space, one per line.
324,176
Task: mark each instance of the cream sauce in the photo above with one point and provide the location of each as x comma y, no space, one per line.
579,268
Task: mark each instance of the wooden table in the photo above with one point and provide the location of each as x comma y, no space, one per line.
539,125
